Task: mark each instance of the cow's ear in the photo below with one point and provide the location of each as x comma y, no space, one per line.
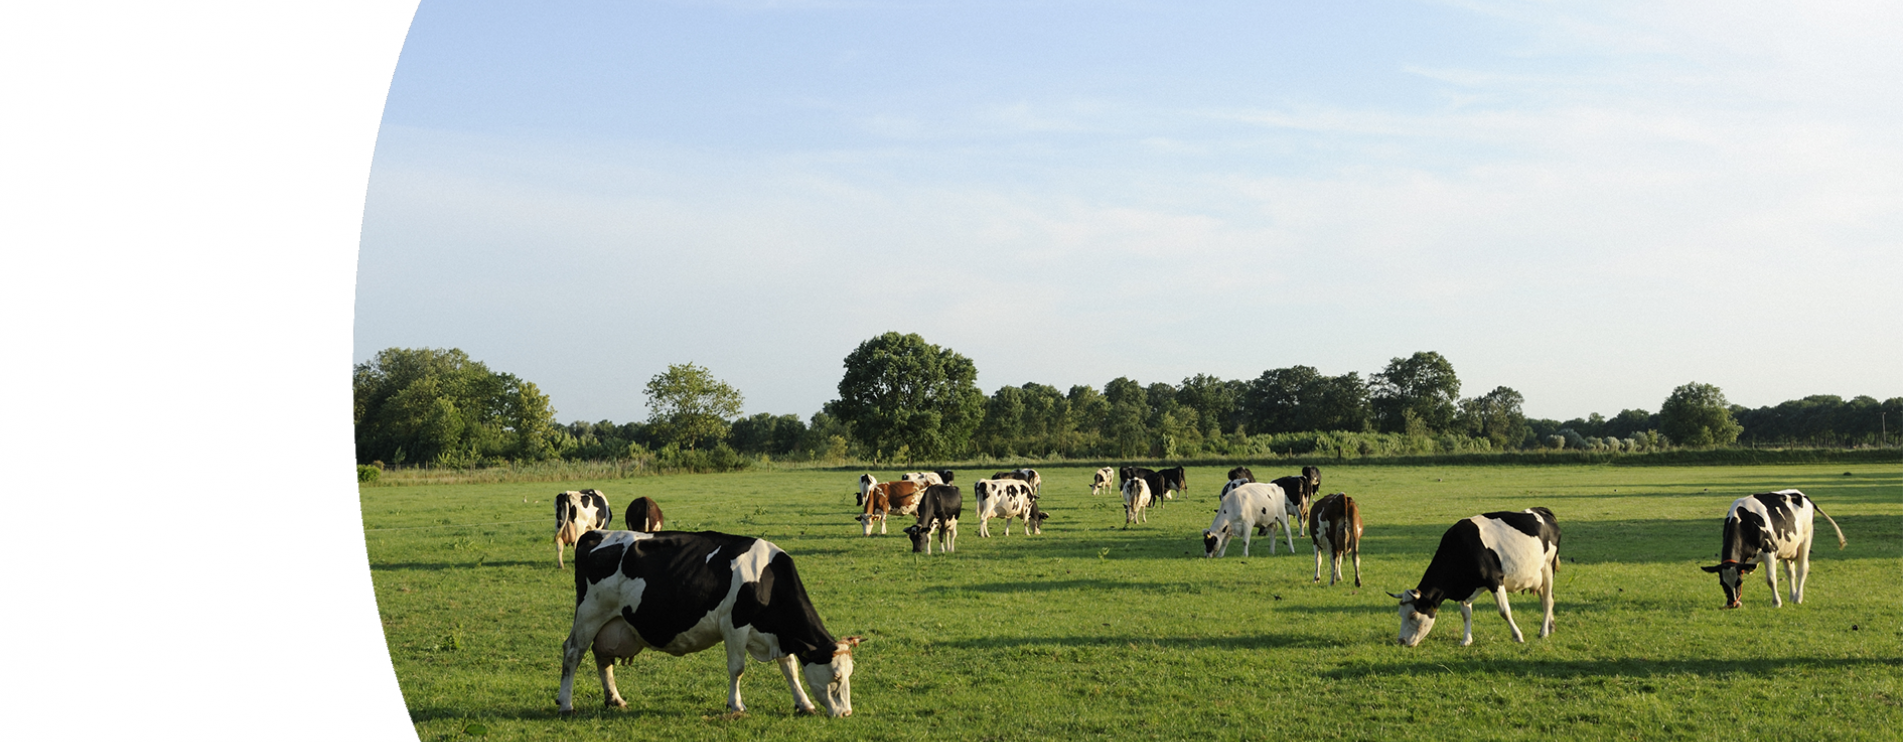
1713,568
853,640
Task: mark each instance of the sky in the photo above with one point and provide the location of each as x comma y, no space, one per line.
1589,205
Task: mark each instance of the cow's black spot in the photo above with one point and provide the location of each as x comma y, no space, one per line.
777,604
682,583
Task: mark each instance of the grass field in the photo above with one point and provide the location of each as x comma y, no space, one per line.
1092,630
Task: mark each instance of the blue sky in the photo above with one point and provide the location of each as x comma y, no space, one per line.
1591,206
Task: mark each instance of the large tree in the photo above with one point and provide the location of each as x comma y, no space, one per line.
902,392
1416,394
440,407
1698,415
1496,416
687,405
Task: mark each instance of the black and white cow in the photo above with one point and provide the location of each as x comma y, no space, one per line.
1335,526
644,515
1301,496
866,481
922,478
1160,483
1242,473
1103,479
684,592
577,513
938,509
1762,529
1136,497
1174,480
1246,507
1003,498
1495,553
1027,476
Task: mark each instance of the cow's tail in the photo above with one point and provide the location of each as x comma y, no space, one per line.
1841,543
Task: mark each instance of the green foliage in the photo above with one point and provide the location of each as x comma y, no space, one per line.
902,392
367,474
1697,415
1495,416
687,405
1416,394
440,407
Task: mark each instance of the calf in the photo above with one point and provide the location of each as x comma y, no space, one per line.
644,515
577,513
1103,479
888,497
1761,529
1490,553
1246,507
1335,525
670,592
938,510
1003,498
1136,497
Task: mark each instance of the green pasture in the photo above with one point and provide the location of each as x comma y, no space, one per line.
1091,630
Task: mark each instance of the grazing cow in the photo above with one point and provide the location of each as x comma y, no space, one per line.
668,591
1003,498
1028,476
888,497
938,511
1136,497
1335,525
1761,529
577,513
1493,552
1174,480
1301,496
866,481
1246,507
644,515
1242,473
1157,481
1034,523
1103,479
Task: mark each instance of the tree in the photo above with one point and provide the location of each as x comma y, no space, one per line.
1496,416
687,405
440,407
1218,402
1698,415
902,392
1416,394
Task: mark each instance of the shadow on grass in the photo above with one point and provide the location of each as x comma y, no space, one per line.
1255,641
1754,668
583,711
440,566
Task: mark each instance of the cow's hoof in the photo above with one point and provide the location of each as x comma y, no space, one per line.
797,711
616,704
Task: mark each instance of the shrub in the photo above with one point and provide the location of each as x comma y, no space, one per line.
367,473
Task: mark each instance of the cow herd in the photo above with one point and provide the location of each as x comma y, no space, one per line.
648,587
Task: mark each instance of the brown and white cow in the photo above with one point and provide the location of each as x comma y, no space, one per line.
1335,526
644,515
577,513
889,497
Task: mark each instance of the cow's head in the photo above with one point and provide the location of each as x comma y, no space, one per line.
1731,578
832,681
1417,617
1212,541
921,537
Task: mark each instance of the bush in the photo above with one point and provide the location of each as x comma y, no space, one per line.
367,473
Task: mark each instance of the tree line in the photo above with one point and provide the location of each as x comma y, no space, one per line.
904,399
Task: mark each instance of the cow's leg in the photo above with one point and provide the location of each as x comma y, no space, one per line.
1770,578
1467,622
1546,599
571,658
1800,572
1318,560
790,667
1506,612
610,695
558,554
1287,532
882,524
736,665
1357,551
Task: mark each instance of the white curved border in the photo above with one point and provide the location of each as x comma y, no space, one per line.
181,191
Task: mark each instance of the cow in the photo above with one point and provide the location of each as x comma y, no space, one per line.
1497,552
644,515
1335,526
945,475
1174,480
1242,473
577,513
866,481
923,478
885,498
1028,476
1301,496
1003,498
1103,479
1246,507
1159,482
668,591
938,511
1034,523
1136,497
1762,529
